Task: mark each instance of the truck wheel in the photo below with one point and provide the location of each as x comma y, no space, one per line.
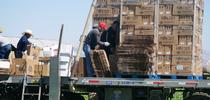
198,96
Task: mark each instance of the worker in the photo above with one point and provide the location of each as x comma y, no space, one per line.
23,44
111,36
90,43
5,47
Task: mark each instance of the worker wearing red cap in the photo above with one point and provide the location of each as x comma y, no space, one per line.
93,39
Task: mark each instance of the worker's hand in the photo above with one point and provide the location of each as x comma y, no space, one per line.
106,44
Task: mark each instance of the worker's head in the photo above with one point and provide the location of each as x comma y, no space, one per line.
95,25
102,26
28,33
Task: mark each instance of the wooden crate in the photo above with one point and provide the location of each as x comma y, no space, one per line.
183,9
168,1
129,69
165,9
185,40
166,39
182,60
128,10
164,70
183,32
131,20
113,1
169,20
100,63
186,20
144,32
144,10
128,29
165,30
181,50
144,27
101,1
164,50
106,12
131,39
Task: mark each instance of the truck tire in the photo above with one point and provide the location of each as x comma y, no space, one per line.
198,96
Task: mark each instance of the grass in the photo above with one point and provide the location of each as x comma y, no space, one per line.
178,96
85,97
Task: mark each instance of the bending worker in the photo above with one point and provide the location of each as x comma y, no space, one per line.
5,48
90,43
23,44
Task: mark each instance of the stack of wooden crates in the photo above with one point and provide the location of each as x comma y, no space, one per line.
165,32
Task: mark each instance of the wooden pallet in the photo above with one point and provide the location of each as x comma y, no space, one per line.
100,63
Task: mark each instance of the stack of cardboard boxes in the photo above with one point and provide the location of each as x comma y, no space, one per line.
29,64
175,26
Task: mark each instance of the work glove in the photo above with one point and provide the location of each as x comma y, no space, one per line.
106,44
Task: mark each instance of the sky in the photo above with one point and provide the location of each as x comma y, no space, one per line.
45,17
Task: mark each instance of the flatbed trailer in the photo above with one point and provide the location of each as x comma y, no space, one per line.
111,88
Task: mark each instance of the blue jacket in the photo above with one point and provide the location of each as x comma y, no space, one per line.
21,46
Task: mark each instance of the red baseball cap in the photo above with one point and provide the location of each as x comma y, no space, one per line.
102,25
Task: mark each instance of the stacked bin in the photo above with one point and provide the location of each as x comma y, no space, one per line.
157,36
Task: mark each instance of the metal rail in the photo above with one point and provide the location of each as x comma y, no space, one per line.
166,83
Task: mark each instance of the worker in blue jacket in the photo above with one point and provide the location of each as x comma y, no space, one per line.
5,47
90,43
23,44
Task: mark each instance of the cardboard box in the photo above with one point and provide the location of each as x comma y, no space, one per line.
34,52
41,70
23,66
4,66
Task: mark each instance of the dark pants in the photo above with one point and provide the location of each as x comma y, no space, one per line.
88,63
18,54
5,51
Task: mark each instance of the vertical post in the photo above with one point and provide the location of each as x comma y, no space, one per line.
54,81
60,41
121,15
156,26
193,37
